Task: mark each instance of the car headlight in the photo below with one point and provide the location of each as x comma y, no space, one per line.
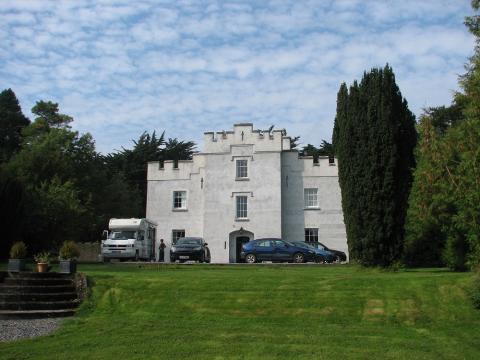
173,249
198,248
311,252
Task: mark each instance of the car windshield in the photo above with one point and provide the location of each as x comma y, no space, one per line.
189,241
122,235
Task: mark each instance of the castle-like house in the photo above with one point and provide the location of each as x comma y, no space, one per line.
246,184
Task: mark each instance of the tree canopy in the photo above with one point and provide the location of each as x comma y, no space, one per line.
443,223
71,190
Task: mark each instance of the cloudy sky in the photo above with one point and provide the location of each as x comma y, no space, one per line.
122,67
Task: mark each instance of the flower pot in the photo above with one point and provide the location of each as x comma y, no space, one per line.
16,265
68,266
42,267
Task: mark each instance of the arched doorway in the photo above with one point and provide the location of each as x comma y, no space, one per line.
237,239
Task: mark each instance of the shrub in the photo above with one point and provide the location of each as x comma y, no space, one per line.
43,257
69,251
475,290
18,250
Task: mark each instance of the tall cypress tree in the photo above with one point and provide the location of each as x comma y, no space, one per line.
374,137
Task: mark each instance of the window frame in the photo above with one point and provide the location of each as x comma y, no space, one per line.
183,200
239,175
307,197
241,211
311,235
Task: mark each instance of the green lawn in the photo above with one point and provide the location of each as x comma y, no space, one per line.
265,312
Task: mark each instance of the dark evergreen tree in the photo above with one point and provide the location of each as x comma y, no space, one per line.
132,163
12,121
12,210
325,149
374,137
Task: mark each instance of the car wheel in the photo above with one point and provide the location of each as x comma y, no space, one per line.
298,258
250,259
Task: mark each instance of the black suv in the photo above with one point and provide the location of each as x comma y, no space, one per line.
190,248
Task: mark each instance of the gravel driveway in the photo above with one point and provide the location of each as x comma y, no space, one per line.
15,329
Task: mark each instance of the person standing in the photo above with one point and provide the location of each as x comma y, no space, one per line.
161,251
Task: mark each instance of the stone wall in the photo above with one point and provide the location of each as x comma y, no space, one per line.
89,252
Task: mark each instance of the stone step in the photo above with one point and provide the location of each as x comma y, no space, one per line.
14,296
38,305
37,275
37,281
35,289
33,314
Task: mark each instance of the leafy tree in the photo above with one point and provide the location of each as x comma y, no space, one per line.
374,137
465,180
325,149
443,118
444,210
132,163
178,150
47,114
12,210
429,210
12,121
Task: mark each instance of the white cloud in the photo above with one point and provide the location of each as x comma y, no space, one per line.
122,67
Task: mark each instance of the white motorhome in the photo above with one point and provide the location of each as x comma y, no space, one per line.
129,239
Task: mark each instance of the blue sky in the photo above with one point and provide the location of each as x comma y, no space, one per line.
122,67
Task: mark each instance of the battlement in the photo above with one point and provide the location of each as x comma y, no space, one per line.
175,170
325,166
244,134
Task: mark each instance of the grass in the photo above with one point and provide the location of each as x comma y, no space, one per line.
265,312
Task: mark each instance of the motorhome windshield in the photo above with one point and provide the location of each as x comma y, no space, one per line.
122,235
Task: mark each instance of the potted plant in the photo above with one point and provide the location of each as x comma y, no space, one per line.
68,254
18,251
42,260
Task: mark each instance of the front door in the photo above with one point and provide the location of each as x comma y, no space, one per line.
240,241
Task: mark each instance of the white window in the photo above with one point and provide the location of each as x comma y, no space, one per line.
177,234
311,235
242,169
310,197
179,199
242,207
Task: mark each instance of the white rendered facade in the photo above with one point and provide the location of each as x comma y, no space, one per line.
246,184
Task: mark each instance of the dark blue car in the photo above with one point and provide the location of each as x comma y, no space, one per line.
322,255
276,250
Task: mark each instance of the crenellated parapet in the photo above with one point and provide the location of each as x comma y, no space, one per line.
175,170
244,134
325,166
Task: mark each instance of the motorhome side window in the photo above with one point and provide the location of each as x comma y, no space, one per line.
179,200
